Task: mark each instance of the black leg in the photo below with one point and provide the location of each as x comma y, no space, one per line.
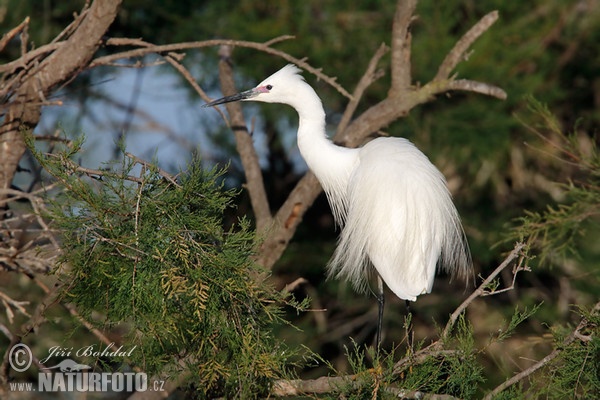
408,320
381,301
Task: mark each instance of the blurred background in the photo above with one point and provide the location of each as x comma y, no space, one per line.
497,167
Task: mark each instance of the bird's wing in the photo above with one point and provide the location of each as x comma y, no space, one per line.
400,217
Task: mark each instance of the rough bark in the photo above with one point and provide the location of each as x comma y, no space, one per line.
33,78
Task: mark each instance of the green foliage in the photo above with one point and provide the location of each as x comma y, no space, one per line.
575,373
380,375
456,372
152,256
555,232
517,318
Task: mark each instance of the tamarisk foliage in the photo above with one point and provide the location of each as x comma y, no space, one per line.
148,253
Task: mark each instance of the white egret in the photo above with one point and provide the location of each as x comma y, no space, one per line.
392,203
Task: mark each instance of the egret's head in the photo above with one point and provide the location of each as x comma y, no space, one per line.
281,87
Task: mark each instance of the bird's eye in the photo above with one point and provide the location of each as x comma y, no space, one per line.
269,87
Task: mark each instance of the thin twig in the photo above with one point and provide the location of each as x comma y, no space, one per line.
214,43
171,59
458,52
525,373
370,76
161,172
517,252
290,287
477,87
73,311
9,302
278,39
8,36
72,27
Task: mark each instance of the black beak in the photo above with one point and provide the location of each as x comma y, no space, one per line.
248,94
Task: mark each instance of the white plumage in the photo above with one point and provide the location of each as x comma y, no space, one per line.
392,203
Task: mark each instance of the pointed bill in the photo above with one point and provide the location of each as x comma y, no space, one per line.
248,94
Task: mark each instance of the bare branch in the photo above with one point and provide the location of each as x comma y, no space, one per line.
27,58
296,387
212,43
72,27
287,219
290,287
9,303
458,52
62,65
401,44
148,165
477,87
516,253
398,103
246,150
278,39
332,384
8,36
170,57
575,335
370,76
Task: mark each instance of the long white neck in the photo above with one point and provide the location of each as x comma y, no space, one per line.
331,164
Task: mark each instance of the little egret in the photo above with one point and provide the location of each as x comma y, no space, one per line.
392,203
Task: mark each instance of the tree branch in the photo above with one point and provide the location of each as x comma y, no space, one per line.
458,52
576,334
370,76
245,147
8,36
516,253
401,45
39,78
264,47
328,384
477,87
399,102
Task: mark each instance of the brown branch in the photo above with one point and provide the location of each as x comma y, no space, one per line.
575,335
297,387
397,104
147,165
278,39
213,43
26,59
10,303
74,25
332,384
299,200
8,36
458,52
370,76
516,253
42,76
170,57
245,148
477,87
401,45
436,347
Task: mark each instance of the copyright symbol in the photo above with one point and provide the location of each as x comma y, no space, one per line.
20,357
